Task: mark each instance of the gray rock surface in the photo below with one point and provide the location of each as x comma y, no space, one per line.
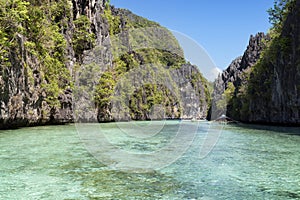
269,92
235,72
23,99
282,105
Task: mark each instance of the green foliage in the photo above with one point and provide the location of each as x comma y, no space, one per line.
259,80
278,13
134,21
154,49
45,41
149,95
195,79
113,21
126,62
133,59
161,57
208,89
104,90
226,97
238,104
107,4
13,15
39,24
83,38
60,13
229,90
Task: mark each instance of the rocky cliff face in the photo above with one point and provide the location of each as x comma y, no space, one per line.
275,84
236,74
265,89
24,82
148,77
65,49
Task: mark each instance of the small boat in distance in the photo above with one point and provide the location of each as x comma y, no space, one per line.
223,119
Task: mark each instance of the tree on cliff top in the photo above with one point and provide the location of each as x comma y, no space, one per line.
278,13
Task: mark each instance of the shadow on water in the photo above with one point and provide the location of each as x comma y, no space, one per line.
289,130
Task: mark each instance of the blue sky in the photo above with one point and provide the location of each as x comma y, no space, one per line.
221,27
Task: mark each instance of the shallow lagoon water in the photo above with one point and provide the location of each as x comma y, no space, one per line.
248,162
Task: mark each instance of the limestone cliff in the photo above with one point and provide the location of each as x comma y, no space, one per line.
274,85
148,79
234,76
46,46
42,45
263,86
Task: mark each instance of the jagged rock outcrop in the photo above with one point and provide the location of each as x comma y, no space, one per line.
235,74
266,89
274,93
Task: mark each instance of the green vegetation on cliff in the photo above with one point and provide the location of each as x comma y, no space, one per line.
270,87
44,45
36,35
83,38
140,46
37,27
279,12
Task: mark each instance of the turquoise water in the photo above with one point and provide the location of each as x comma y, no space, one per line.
248,162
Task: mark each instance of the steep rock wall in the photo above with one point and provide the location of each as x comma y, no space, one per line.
148,77
264,85
278,76
39,74
24,98
235,74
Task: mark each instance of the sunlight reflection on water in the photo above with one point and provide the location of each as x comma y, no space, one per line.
248,162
